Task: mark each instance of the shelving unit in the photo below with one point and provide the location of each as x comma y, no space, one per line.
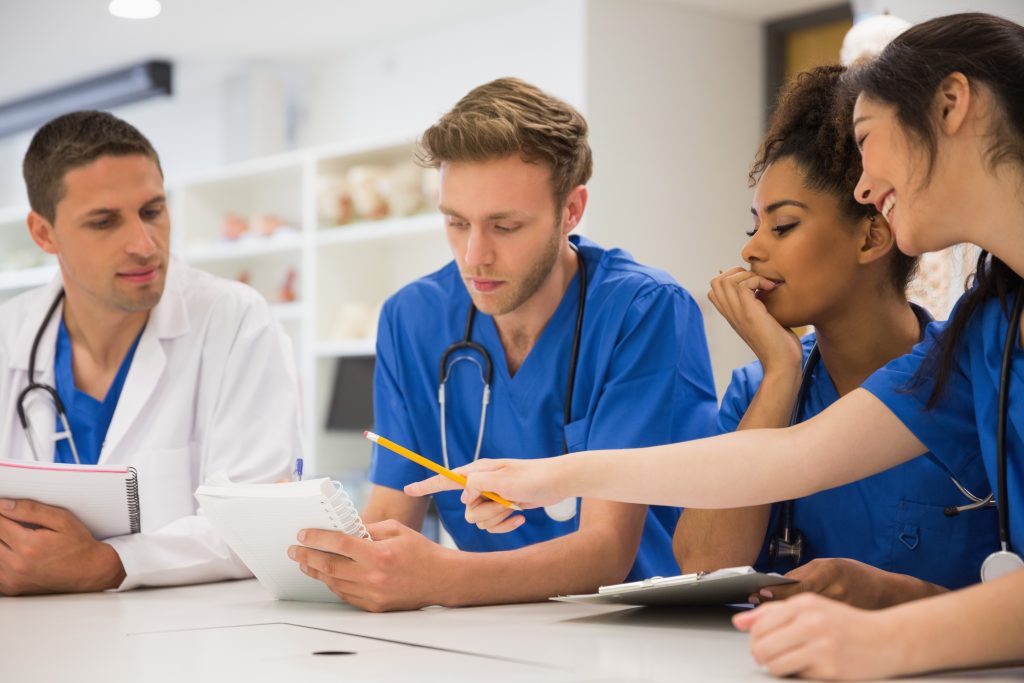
341,273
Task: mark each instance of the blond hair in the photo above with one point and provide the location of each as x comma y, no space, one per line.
510,116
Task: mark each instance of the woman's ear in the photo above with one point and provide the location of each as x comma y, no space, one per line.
878,239
952,99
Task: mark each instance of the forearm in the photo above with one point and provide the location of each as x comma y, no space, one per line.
186,551
579,562
749,467
706,540
902,588
980,625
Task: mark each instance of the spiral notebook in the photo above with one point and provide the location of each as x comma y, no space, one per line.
260,521
105,498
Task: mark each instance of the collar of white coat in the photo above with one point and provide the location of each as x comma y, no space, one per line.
168,320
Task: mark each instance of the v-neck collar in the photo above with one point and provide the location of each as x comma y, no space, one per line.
532,373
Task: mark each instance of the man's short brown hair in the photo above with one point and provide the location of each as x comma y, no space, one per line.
71,141
510,116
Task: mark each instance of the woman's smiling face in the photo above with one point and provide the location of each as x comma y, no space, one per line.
919,197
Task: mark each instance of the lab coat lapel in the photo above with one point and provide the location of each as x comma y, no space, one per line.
168,320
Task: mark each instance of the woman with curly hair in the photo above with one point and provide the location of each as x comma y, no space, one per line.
818,257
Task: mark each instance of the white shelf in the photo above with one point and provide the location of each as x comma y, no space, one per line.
244,248
347,347
26,278
386,228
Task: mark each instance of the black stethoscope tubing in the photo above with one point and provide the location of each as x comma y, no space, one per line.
62,414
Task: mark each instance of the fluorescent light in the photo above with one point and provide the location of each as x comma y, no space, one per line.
134,9
135,83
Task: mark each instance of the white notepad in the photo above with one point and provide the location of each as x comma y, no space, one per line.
723,587
260,522
104,498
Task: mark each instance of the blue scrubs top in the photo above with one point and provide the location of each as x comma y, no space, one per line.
893,520
88,417
644,378
963,423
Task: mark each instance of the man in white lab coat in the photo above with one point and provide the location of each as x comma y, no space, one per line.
159,366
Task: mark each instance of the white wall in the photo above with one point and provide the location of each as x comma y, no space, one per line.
674,102
186,128
403,86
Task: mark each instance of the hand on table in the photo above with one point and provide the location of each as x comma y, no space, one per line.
56,554
852,582
813,637
400,569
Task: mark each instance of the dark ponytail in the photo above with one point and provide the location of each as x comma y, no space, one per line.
987,50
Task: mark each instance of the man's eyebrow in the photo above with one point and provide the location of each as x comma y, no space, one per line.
101,211
496,216
449,212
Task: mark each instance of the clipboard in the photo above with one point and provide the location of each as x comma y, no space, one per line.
723,587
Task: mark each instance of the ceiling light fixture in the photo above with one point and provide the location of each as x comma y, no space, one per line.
134,9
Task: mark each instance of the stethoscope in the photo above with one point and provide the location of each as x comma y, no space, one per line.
786,544
50,391
566,509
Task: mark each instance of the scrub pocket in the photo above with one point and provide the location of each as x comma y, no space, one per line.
940,549
165,486
576,434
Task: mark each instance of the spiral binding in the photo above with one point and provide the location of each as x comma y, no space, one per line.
341,510
134,511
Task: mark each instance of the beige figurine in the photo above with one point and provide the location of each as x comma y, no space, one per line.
402,188
333,200
233,227
364,184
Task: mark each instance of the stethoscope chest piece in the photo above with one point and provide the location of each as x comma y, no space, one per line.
562,511
999,564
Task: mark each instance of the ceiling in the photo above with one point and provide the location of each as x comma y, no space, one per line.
44,43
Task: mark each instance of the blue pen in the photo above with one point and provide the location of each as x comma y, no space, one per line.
297,476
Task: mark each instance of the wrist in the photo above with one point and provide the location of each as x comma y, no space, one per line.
456,584
783,379
108,570
566,476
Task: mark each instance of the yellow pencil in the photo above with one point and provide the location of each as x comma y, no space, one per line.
434,467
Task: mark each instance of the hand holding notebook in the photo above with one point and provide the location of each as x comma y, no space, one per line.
104,498
260,523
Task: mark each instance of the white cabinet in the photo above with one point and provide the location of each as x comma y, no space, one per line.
325,281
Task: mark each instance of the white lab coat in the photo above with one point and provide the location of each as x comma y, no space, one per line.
211,388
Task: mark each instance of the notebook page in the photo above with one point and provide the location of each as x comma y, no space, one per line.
260,522
98,496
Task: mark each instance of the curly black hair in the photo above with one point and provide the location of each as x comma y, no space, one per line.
812,125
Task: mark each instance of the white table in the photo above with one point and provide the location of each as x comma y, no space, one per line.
235,632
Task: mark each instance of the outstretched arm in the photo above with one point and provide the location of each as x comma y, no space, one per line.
853,438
